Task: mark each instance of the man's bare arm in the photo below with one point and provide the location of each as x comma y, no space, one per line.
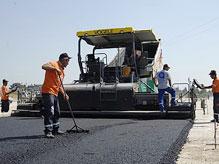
11,91
66,97
155,81
206,87
49,66
170,83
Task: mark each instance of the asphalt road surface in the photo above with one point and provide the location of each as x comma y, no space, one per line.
110,141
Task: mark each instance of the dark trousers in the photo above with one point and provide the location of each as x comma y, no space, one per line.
5,105
51,112
216,105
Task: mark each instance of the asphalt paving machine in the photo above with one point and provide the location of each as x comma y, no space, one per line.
123,86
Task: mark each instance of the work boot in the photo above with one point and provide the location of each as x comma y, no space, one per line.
57,132
49,135
163,111
212,120
173,103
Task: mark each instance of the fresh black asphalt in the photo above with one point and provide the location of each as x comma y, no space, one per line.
110,141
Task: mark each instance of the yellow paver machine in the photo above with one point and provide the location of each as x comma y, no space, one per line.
116,70
122,85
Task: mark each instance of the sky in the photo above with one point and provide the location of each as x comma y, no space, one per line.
34,32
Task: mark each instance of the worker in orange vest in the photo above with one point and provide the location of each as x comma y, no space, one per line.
51,87
5,96
215,89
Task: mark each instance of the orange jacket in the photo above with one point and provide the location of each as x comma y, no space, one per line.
52,83
5,90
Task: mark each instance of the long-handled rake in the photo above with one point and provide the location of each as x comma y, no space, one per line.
75,128
215,129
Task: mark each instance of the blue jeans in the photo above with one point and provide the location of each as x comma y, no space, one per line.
161,97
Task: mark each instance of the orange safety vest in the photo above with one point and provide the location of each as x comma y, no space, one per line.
52,81
5,90
215,85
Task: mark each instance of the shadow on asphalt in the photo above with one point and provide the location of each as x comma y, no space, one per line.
28,118
21,137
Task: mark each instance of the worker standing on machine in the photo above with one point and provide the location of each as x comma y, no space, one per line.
51,87
161,80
